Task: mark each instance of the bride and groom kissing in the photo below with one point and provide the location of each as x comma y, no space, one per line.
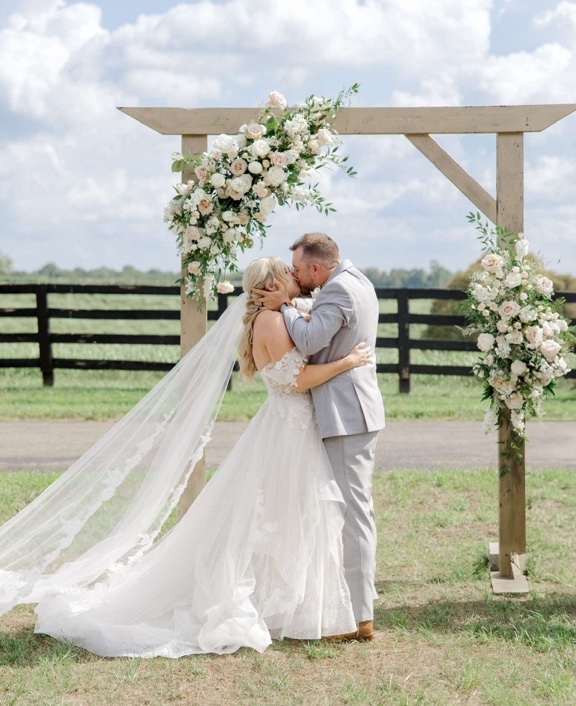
281,542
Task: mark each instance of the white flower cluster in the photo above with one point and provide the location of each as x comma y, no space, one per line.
521,333
242,179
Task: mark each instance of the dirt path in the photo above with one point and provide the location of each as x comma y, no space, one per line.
55,445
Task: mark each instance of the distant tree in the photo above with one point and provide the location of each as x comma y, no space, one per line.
49,271
439,276
416,278
6,264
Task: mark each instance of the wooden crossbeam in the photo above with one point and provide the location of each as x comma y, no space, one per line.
367,121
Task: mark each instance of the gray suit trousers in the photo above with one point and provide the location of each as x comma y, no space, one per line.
352,459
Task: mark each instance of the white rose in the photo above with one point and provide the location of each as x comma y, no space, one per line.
278,158
513,279
518,367
217,180
201,172
238,166
544,285
204,242
485,341
224,287
224,143
492,262
267,205
254,131
184,189
534,336
276,176
508,309
276,100
260,148
228,216
502,326
194,268
324,136
255,168
550,349
515,401
205,205
314,146
192,233
230,235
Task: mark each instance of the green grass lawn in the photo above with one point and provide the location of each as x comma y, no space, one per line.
102,395
442,637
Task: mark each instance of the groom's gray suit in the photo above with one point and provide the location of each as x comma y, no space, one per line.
349,412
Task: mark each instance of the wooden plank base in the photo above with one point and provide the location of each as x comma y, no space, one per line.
516,584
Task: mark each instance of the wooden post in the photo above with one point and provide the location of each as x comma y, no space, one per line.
404,341
193,325
512,487
44,343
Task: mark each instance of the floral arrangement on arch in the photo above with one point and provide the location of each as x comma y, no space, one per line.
522,334
242,179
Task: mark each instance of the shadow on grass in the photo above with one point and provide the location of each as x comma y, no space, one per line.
26,648
541,623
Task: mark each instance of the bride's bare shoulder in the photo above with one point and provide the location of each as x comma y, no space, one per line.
267,319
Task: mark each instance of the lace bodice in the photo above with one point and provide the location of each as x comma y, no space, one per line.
279,378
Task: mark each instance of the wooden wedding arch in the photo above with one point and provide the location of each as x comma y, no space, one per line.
508,123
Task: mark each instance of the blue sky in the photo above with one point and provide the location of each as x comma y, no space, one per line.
83,185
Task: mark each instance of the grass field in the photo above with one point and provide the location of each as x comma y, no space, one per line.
441,636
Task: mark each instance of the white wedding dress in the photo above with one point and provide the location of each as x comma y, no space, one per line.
257,557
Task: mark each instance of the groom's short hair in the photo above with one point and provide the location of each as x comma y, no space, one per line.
318,247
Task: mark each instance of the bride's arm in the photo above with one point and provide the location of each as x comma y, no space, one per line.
314,375
270,333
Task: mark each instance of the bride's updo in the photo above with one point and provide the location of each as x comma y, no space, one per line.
259,274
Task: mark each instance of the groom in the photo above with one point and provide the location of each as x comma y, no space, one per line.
349,407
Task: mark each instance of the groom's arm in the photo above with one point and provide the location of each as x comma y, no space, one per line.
332,311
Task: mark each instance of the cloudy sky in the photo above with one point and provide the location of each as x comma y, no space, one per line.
82,184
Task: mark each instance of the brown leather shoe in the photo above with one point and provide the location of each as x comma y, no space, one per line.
364,633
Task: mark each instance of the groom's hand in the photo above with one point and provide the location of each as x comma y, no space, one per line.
273,299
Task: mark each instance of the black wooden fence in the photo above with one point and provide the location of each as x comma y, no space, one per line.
403,318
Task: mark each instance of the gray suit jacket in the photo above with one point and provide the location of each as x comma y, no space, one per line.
344,314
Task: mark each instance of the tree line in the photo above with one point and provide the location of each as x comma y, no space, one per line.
435,276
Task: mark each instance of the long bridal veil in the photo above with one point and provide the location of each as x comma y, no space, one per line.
107,508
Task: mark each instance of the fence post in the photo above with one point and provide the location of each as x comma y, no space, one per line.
404,340
46,363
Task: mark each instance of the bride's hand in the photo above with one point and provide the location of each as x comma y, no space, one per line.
359,355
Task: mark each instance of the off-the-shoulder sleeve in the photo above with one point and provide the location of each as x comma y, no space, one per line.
284,371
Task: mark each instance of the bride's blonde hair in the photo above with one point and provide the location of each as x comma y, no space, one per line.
259,274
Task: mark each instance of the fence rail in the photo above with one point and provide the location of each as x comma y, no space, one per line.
403,318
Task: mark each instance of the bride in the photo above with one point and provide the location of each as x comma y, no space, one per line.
257,556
